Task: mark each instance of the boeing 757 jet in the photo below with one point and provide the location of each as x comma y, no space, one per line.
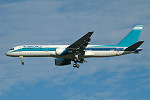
80,49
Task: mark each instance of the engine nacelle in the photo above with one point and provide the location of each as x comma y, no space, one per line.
62,61
59,51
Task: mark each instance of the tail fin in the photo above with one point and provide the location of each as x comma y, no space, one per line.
132,37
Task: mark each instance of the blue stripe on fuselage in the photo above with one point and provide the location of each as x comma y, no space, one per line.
105,49
54,49
35,49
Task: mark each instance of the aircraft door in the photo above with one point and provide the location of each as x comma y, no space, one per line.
47,52
117,51
20,49
46,49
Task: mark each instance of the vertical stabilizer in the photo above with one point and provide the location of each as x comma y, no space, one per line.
132,37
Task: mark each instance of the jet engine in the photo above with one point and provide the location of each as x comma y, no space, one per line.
59,51
62,61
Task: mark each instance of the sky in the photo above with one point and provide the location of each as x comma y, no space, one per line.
42,22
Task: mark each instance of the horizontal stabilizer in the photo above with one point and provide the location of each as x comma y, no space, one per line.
134,46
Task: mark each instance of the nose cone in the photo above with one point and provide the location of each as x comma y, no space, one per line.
7,53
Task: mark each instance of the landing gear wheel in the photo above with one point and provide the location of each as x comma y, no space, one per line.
21,57
22,63
77,66
74,65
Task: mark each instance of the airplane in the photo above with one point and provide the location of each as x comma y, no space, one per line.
80,49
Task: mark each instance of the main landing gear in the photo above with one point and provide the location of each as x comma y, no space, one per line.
78,61
75,61
21,57
76,65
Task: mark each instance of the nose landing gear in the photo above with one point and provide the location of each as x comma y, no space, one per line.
21,57
22,63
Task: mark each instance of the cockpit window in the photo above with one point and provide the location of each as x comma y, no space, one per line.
12,49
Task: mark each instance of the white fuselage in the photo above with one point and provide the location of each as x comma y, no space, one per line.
57,50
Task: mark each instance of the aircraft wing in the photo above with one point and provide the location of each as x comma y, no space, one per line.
82,42
79,46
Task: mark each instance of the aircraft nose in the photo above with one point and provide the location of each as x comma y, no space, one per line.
7,54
